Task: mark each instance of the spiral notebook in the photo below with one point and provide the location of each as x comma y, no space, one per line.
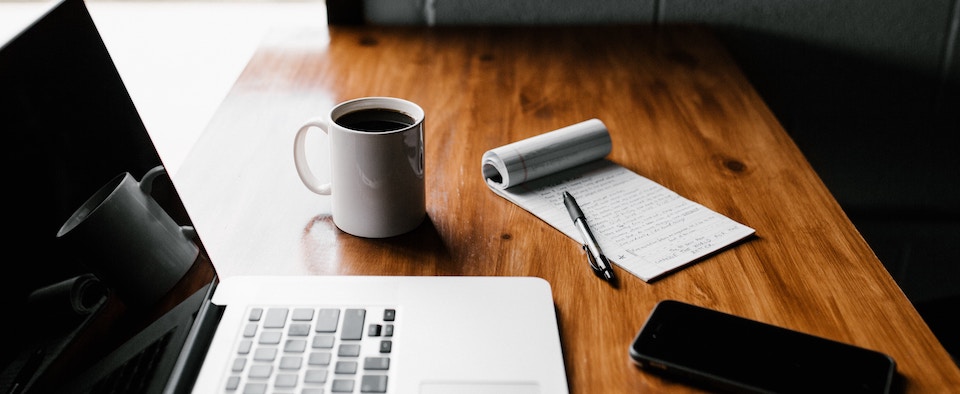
642,226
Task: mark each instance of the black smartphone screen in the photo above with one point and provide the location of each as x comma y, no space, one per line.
731,352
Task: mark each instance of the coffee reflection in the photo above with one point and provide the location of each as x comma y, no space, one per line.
129,240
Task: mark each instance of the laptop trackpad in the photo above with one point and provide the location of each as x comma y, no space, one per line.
479,388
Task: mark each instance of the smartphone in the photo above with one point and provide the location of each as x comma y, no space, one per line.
720,351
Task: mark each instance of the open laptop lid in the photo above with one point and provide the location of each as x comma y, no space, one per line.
70,127
74,129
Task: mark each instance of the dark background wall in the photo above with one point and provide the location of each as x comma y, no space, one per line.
868,89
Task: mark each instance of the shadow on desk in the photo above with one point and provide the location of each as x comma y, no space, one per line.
884,140
423,244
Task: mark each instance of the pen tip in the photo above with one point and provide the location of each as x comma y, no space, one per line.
611,279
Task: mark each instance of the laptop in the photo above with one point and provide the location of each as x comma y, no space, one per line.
70,126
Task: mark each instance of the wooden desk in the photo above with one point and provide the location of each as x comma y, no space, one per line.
679,111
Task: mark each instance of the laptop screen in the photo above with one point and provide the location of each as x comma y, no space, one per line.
91,203
72,134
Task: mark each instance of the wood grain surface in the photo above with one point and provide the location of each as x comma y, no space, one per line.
679,111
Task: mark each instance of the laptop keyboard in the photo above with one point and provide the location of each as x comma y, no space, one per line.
313,350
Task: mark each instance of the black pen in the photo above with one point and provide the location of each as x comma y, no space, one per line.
601,266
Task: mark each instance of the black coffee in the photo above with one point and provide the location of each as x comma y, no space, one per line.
376,119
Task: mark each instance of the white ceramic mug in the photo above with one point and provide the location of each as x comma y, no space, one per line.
131,243
376,165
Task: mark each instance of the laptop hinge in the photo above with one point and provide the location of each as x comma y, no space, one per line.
191,357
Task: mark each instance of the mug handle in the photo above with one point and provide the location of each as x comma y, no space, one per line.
146,183
300,157
146,186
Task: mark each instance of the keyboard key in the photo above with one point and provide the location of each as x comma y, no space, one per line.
319,358
244,346
342,386
374,330
311,390
388,330
323,342
291,362
238,364
270,337
265,354
353,324
327,320
346,367
233,383
260,371
276,318
386,346
299,330
376,363
295,346
349,350
373,384
285,380
255,388
255,314
302,314
389,315
315,376
250,330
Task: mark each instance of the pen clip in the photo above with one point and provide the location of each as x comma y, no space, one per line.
592,260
